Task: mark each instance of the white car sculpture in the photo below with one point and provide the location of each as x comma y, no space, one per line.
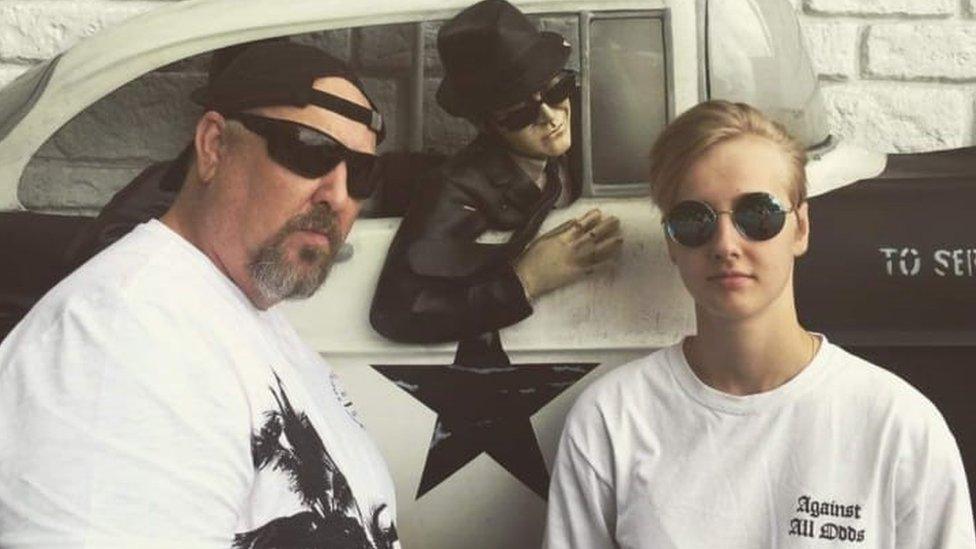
641,63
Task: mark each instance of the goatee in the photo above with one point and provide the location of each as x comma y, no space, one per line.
276,278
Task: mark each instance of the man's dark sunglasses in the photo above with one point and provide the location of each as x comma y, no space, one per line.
312,153
528,112
757,216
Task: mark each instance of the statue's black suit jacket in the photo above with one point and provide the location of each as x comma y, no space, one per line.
439,283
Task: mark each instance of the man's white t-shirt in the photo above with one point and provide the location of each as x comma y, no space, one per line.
843,455
144,402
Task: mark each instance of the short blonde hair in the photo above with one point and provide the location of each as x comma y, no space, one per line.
691,135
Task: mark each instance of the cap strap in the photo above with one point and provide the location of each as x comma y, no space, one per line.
368,117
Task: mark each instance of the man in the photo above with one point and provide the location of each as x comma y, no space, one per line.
444,280
155,398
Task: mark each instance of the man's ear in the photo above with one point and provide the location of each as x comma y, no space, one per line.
208,141
801,240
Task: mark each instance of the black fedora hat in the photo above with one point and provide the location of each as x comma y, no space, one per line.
494,57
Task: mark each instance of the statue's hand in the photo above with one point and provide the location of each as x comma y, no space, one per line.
569,252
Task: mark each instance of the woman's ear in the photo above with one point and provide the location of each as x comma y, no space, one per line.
801,240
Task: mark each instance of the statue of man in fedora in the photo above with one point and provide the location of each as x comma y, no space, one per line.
442,281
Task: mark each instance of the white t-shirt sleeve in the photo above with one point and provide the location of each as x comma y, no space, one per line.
132,432
582,508
934,510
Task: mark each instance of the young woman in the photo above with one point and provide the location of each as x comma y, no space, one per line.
754,432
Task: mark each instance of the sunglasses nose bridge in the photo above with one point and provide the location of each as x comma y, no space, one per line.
547,114
727,236
333,187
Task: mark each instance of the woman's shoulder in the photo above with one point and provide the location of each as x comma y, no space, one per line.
880,392
613,396
637,375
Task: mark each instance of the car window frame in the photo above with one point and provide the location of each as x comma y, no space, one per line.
416,113
620,190
412,137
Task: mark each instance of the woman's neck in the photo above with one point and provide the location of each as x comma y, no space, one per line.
744,357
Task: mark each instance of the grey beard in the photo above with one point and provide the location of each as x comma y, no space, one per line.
277,279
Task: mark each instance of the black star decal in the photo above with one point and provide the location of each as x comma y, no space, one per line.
485,408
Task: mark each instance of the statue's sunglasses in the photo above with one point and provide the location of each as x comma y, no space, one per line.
527,113
312,153
757,216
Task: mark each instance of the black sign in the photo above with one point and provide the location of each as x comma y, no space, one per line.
892,260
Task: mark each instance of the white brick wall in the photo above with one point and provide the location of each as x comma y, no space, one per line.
34,30
39,29
901,118
10,71
833,47
881,7
898,75
921,51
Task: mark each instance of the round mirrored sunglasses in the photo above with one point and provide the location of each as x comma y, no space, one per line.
757,216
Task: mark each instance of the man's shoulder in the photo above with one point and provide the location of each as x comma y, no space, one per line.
126,265
144,270
136,304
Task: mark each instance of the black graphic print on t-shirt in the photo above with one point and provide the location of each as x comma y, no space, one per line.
332,520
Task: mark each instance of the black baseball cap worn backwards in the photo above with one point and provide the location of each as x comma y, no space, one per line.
276,73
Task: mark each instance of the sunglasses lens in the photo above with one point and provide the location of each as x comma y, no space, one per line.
312,154
560,90
521,117
301,150
690,223
759,216
362,176
311,160
528,113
